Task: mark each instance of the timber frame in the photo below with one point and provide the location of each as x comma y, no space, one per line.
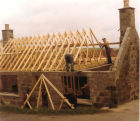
44,81
46,53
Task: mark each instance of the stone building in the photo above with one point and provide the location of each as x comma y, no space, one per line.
109,85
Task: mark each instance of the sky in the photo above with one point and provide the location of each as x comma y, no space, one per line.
39,17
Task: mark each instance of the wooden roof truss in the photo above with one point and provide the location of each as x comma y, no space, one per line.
46,53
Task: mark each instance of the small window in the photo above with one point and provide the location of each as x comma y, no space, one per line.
8,83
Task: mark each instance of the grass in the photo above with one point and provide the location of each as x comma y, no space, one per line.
78,110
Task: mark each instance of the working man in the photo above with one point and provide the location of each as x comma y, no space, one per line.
108,50
86,91
25,97
71,97
69,60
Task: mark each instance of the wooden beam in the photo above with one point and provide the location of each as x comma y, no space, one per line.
46,53
31,92
49,96
58,92
39,94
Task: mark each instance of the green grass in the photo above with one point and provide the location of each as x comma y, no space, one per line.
78,110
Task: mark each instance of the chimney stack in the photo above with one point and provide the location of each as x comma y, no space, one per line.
127,18
7,34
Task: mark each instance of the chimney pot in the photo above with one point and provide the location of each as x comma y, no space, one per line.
6,26
126,3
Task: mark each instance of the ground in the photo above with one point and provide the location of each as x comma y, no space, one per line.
126,112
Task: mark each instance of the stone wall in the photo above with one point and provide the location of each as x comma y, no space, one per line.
8,96
100,84
26,81
10,99
126,67
102,88
127,19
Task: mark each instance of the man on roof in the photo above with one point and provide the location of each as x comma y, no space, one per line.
108,50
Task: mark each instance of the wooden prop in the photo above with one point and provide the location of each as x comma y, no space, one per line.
58,92
29,103
45,81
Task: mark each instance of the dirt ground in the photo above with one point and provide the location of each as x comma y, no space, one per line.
125,112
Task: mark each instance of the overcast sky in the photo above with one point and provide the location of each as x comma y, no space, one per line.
33,17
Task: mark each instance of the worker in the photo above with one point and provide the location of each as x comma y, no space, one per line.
25,97
44,98
86,91
69,60
108,50
71,97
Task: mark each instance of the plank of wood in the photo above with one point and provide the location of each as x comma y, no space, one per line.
48,51
62,101
27,99
22,55
65,51
49,96
58,92
48,39
39,94
53,53
5,58
55,59
84,101
29,104
31,54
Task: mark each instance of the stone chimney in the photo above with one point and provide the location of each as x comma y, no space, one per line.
127,18
7,34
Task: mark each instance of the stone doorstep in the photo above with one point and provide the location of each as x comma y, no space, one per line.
105,108
84,101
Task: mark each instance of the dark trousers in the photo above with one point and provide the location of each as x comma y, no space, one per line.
108,51
67,66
